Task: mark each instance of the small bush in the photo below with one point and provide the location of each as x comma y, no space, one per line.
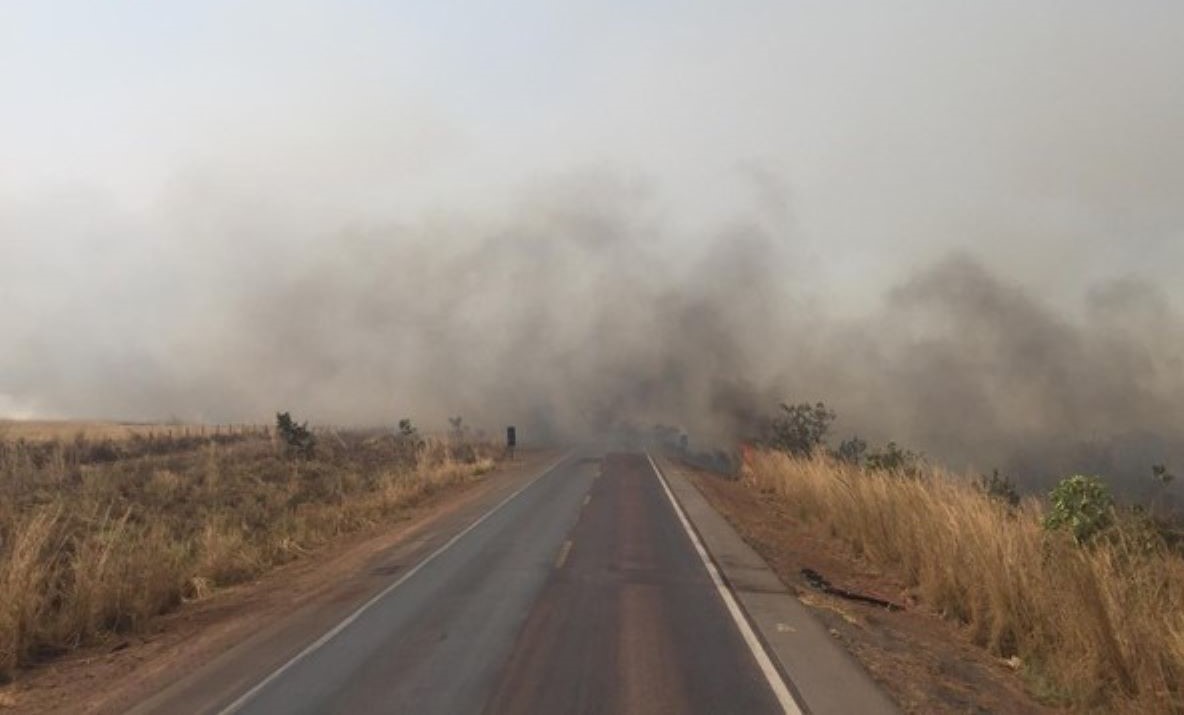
895,460
296,437
800,429
999,488
1082,505
851,451
408,444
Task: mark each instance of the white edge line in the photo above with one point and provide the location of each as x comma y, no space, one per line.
250,694
772,675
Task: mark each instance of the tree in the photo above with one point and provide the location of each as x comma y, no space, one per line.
296,437
407,442
800,429
851,450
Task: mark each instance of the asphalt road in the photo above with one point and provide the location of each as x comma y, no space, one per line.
582,594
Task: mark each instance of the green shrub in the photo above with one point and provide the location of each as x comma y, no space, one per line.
1082,505
296,437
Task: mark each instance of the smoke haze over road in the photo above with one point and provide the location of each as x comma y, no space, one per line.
961,228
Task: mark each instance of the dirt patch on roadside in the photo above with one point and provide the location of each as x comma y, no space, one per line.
117,674
926,663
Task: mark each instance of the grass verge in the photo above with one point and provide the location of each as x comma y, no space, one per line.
98,539
1097,627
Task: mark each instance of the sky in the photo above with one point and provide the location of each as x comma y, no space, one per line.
892,129
166,168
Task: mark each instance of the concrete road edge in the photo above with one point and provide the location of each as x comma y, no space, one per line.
825,678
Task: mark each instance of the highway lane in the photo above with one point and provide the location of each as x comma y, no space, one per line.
630,622
582,594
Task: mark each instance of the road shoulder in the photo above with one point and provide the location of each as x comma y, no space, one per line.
925,662
236,636
825,678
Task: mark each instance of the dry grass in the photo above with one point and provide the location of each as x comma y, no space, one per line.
50,430
1098,628
99,537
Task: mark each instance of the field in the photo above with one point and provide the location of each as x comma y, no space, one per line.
103,527
1097,627
51,430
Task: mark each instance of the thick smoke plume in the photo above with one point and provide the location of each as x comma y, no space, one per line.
580,312
959,226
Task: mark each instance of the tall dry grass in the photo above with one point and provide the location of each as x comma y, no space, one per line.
98,538
50,430
1098,627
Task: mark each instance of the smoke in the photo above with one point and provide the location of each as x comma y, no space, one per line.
980,372
958,227
580,311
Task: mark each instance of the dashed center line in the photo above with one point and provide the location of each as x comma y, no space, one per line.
563,552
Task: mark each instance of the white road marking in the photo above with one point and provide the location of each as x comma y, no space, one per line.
563,552
587,498
250,694
776,683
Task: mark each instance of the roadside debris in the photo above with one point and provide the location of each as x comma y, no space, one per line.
816,581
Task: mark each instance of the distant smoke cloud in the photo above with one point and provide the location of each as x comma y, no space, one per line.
978,370
580,311
959,226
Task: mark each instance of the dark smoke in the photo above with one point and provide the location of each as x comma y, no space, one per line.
977,371
582,311
957,224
